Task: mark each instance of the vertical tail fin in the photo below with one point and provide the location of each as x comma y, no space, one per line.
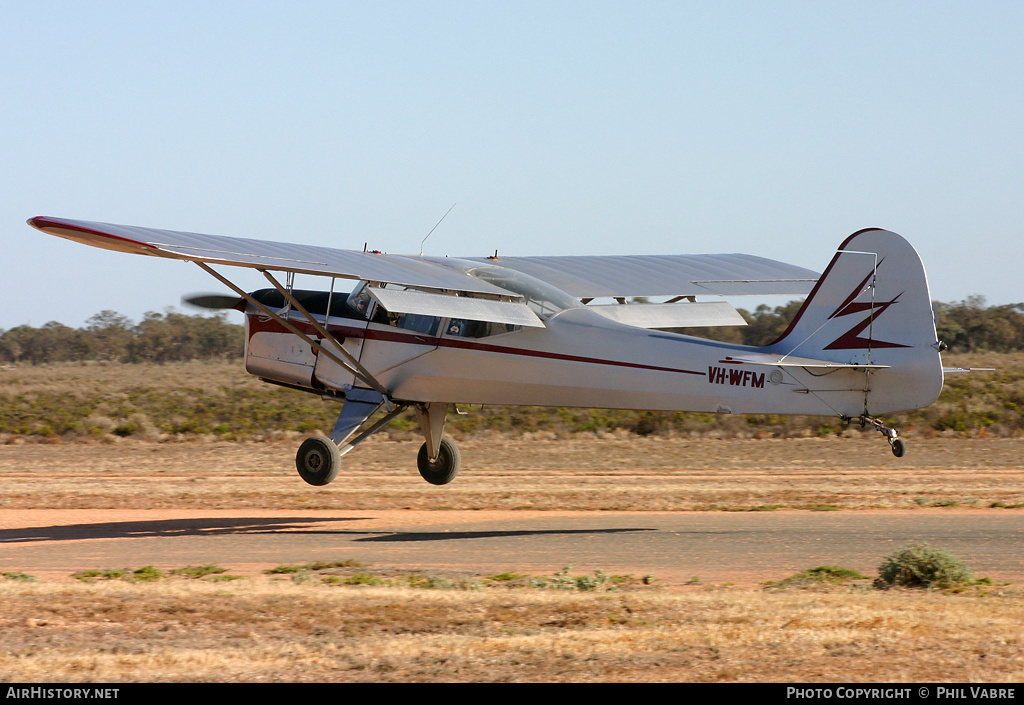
872,306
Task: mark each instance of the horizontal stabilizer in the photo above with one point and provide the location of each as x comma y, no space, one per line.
776,360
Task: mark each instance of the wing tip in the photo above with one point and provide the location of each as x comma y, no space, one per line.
87,233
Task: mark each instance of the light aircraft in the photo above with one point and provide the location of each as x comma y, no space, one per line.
431,332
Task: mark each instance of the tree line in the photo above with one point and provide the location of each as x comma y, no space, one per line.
965,326
110,337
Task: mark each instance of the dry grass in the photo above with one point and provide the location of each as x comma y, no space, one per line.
113,377
262,628
86,402
278,630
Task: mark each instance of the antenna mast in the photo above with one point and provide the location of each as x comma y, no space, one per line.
434,228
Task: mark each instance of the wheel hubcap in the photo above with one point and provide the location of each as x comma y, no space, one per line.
315,461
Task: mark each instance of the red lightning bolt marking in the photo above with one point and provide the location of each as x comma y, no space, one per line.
851,340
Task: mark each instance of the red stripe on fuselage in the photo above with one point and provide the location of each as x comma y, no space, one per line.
398,336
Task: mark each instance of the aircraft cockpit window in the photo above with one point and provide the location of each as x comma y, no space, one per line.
544,299
417,323
427,325
360,301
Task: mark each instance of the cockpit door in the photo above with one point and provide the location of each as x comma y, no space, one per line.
393,339
350,331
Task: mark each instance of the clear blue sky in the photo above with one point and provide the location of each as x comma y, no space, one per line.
774,128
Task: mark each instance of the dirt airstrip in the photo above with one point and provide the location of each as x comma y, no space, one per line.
542,472
506,480
526,504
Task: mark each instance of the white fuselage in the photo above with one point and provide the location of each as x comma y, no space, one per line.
579,359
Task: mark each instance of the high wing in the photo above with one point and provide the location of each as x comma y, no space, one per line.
583,277
260,254
598,276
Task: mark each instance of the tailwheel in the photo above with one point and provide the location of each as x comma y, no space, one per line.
442,469
318,460
898,446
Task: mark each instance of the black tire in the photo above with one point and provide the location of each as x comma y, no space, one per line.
318,460
899,448
445,468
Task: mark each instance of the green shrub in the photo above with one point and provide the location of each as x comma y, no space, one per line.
599,581
17,575
820,576
829,574
196,572
146,574
924,566
87,576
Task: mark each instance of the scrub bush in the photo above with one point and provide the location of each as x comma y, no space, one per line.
923,566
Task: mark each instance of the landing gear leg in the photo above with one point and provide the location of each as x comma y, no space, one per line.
439,459
319,457
898,446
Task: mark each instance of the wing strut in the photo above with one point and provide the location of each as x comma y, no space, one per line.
360,405
350,363
354,365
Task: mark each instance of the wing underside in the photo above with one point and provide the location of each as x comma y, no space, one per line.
474,309
700,314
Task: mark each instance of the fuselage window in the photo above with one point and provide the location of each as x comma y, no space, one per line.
418,323
360,300
463,328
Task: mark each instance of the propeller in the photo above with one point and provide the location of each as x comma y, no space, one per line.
216,302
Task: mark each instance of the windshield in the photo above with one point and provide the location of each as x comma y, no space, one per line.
359,300
544,299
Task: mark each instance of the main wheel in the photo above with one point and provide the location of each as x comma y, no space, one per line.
899,448
442,470
318,460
